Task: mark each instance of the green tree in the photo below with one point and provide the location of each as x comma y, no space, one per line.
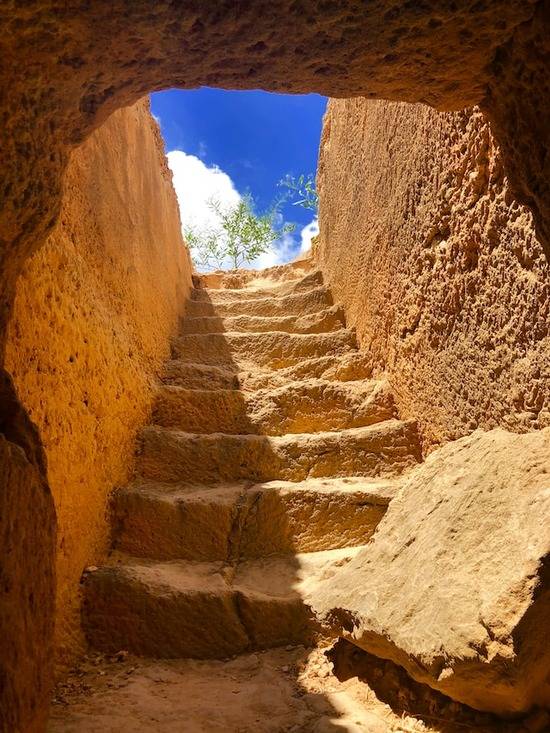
240,237
205,246
302,189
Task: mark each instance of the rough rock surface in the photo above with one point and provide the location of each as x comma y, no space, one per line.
91,328
454,585
26,606
438,268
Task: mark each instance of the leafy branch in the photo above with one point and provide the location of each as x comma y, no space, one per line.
240,236
302,189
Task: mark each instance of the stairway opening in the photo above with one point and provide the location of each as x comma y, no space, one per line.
272,456
60,89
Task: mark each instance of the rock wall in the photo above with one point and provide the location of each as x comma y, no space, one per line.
27,574
94,311
437,265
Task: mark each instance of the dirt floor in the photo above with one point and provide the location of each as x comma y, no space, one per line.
282,690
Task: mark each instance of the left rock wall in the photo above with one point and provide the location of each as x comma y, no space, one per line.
93,316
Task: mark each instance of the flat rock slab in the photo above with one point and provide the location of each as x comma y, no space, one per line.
454,586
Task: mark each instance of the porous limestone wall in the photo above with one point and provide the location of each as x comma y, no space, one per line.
438,267
94,312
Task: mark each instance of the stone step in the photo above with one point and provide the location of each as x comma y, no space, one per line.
351,366
275,350
385,449
255,278
297,304
238,521
205,610
264,289
329,319
298,407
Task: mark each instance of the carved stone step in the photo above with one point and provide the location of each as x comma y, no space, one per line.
353,365
275,350
297,304
329,319
267,289
204,610
298,407
240,521
385,449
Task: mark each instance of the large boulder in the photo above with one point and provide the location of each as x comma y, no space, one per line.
455,584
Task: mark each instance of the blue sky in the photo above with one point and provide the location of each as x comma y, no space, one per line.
235,142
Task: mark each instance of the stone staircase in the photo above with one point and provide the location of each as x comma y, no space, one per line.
271,459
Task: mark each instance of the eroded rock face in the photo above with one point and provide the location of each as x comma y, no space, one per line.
90,328
437,266
521,127
454,586
27,571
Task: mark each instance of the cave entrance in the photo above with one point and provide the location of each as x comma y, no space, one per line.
66,69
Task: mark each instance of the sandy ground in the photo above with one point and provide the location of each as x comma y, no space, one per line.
283,690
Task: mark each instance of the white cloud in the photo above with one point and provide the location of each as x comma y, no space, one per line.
308,232
196,183
282,251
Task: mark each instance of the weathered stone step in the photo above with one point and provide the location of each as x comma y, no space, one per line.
275,350
385,449
254,278
351,366
263,289
204,610
297,407
288,305
330,319
239,521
